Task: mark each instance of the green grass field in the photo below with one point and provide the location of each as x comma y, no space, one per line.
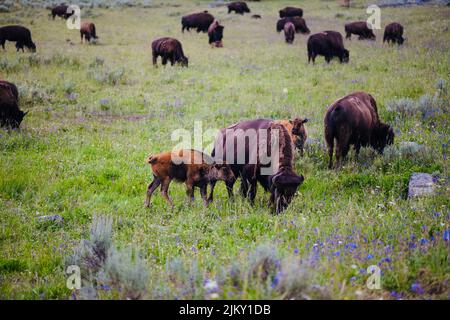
97,111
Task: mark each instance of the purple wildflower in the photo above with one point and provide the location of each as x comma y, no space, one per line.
447,235
369,256
415,287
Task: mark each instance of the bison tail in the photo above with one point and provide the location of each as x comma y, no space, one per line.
152,159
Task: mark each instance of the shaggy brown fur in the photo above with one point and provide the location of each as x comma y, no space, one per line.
238,7
192,167
200,21
215,34
169,49
18,34
10,114
61,11
289,32
291,12
299,23
297,132
88,31
393,32
361,29
353,120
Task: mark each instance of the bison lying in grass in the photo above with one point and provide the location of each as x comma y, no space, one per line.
353,120
18,34
192,167
169,49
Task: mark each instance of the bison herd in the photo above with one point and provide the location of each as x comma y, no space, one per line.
350,121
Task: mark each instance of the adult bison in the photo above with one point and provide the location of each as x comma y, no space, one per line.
215,34
200,21
259,151
87,30
328,44
10,114
18,34
62,11
361,29
291,12
299,23
289,32
169,49
393,32
353,120
238,7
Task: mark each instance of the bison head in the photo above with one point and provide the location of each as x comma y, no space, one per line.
283,187
17,120
345,56
32,46
184,61
299,130
221,172
382,135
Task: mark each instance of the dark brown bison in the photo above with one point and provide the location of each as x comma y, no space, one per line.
353,120
10,114
361,29
19,34
299,23
238,7
87,30
328,44
289,32
62,11
291,12
215,34
200,21
393,32
192,167
169,49
247,148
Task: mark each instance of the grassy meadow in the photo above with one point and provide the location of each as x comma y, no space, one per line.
98,110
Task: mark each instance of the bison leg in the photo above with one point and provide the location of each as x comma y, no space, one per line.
151,188
211,194
154,58
230,185
203,193
2,42
243,190
348,36
164,60
164,191
342,149
190,190
252,192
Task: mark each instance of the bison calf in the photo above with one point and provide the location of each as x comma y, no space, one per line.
289,32
353,120
88,31
394,32
361,29
192,167
10,114
238,7
168,49
18,34
328,44
297,131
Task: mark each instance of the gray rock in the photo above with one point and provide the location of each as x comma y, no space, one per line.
53,218
421,184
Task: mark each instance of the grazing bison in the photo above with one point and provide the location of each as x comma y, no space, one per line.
299,23
192,167
10,114
215,34
169,49
19,34
393,32
353,120
200,21
238,7
289,32
328,44
297,131
62,11
88,31
291,12
361,29
256,16
240,145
